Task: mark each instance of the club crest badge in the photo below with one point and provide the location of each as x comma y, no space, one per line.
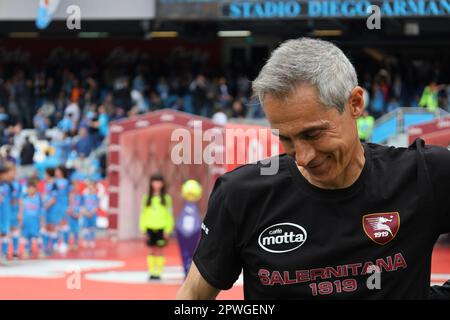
381,228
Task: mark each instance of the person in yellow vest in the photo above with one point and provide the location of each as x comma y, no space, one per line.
429,99
157,223
365,125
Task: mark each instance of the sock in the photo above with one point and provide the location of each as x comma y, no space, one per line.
40,245
27,245
75,238
15,242
65,233
151,264
45,240
92,235
53,239
30,246
86,235
5,244
160,260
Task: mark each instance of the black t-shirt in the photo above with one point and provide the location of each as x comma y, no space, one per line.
296,241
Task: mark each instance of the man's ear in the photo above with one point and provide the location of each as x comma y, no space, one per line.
356,102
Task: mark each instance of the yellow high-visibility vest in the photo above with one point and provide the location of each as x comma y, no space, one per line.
156,216
429,99
365,127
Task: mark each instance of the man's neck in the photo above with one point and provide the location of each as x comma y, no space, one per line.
349,175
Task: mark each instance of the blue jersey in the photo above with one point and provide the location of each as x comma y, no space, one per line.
51,192
74,221
5,207
17,190
77,203
90,202
64,190
6,197
32,211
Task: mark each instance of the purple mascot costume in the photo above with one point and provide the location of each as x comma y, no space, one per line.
188,226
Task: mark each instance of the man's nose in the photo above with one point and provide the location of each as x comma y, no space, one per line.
304,153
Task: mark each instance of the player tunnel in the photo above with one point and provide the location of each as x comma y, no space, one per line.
142,146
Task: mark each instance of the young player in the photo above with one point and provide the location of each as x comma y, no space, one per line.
74,212
5,212
52,216
62,203
16,189
31,215
90,207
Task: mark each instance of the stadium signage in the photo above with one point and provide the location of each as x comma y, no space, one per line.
297,9
333,9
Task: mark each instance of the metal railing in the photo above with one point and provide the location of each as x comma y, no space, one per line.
397,122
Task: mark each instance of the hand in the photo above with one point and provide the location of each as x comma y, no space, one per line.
166,236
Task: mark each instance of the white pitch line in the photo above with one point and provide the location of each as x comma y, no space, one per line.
440,276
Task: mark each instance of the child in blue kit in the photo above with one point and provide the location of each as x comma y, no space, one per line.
31,215
74,213
90,207
16,191
62,203
5,212
52,216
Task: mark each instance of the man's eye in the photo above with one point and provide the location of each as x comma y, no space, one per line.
312,134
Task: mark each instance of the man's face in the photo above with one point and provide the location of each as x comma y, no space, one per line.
321,140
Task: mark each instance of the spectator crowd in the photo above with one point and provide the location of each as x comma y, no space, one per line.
71,103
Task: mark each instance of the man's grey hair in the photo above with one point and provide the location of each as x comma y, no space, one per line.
314,62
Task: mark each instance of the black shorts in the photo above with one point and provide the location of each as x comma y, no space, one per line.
155,238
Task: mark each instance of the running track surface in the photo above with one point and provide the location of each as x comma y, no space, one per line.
125,276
